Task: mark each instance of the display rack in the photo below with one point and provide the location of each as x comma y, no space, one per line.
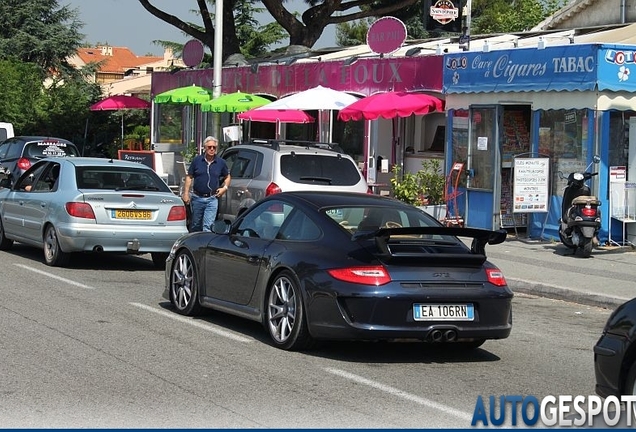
508,219
622,204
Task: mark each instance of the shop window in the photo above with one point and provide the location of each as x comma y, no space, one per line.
482,148
563,136
459,138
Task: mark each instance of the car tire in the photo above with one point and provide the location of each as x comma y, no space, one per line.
184,292
629,387
5,243
159,259
285,317
53,254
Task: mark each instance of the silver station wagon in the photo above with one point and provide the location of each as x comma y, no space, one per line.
66,205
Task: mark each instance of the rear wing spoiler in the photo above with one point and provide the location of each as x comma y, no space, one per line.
480,237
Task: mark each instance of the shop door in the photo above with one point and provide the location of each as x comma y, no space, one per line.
483,167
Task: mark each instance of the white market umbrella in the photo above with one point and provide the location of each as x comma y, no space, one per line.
317,98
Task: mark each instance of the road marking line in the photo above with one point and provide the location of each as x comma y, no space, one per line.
68,281
395,392
207,327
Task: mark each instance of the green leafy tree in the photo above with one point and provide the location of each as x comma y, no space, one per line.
504,16
488,16
41,93
303,29
353,33
38,31
21,89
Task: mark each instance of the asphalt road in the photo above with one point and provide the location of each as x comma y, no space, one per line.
95,345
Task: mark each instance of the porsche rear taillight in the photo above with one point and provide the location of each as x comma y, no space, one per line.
24,164
272,189
495,277
375,275
80,210
177,213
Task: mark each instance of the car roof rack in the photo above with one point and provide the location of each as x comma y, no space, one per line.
275,144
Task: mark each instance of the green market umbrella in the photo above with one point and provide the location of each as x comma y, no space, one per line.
190,94
234,103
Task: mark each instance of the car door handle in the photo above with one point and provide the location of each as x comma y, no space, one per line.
43,204
240,192
252,258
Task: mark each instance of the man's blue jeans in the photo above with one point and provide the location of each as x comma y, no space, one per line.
203,212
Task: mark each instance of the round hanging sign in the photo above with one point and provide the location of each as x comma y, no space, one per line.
192,53
386,35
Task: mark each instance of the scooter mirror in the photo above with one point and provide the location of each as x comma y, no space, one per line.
596,159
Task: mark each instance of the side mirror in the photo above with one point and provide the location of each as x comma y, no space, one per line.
5,177
596,159
221,227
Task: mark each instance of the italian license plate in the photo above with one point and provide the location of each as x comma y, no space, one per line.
133,214
443,312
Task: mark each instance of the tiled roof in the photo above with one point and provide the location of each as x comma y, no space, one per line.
115,59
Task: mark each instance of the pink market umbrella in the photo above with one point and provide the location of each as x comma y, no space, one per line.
390,105
276,116
118,103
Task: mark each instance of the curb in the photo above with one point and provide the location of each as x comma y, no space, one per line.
560,293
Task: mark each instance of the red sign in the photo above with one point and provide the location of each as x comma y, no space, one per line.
192,53
365,77
386,35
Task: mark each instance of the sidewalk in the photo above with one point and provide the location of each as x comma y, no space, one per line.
547,268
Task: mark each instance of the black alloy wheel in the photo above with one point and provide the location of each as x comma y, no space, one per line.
183,284
285,315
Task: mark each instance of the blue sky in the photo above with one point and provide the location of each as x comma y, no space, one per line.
126,23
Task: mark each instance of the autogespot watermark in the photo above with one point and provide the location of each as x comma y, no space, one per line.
557,411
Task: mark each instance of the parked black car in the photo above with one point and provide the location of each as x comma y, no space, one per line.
20,152
615,353
344,266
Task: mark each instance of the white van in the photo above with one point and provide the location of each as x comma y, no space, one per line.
6,131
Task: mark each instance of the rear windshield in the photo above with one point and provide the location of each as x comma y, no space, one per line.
42,149
355,219
119,178
319,169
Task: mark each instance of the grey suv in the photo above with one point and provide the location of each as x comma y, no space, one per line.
265,167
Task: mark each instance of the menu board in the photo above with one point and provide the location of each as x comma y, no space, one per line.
146,157
530,187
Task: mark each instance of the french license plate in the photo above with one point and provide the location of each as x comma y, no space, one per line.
443,312
133,214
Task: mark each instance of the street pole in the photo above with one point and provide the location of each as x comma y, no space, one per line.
218,62
468,14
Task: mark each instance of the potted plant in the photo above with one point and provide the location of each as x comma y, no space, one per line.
424,189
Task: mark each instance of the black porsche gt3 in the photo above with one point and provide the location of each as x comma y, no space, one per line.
344,266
